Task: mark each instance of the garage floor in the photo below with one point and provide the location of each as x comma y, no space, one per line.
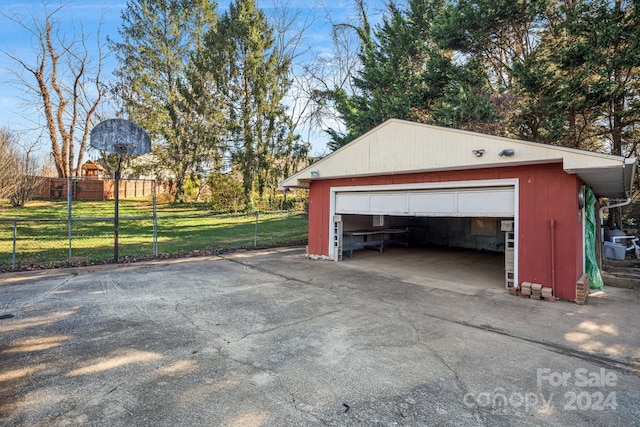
462,269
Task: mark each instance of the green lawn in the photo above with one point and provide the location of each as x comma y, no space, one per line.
181,230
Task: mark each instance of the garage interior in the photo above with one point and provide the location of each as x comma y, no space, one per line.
470,250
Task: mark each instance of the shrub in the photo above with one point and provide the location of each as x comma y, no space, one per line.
226,193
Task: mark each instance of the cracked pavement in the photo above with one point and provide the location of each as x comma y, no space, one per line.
271,338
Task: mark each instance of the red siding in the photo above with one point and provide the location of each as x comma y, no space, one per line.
547,194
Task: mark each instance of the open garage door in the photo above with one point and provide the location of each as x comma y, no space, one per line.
466,215
459,202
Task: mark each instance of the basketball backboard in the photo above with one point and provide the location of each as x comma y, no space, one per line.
120,136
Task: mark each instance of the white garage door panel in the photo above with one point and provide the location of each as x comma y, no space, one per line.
352,203
391,203
492,202
433,203
486,203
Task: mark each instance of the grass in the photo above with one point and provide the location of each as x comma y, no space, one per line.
182,230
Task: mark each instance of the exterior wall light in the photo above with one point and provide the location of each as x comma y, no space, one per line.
478,153
315,173
506,153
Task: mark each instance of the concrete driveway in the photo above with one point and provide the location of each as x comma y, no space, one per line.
271,338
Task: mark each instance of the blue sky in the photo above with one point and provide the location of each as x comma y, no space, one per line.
87,14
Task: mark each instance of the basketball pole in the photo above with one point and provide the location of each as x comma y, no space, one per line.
129,139
116,216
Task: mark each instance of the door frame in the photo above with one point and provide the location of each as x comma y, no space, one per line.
477,184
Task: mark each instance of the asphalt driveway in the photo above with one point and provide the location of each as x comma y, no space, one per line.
271,338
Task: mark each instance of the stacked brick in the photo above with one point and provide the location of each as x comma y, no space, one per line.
582,289
535,291
525,289
547,294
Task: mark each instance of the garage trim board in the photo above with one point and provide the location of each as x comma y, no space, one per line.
480,198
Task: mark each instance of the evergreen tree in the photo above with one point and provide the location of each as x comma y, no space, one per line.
403,72
552,105
607,47
159,38
580,87
468,101
251,79
489,37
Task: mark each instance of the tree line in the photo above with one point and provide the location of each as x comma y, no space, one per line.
226,94
557,72
211,88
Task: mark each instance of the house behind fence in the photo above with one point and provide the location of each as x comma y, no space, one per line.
92,189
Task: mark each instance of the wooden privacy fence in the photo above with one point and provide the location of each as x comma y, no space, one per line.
92,189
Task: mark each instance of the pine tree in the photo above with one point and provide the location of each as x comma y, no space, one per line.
251,79
159,38
607,47
580,86
403,72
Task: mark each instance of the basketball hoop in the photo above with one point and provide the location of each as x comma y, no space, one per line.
121,137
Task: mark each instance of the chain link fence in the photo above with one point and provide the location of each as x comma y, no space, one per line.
137,233
32,243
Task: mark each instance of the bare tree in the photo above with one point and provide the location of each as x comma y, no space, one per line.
9,160
331,72
291,26
62,82
316,70
18,169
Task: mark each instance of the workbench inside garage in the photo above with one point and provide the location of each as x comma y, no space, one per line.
374,239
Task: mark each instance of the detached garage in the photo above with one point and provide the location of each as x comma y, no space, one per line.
409,183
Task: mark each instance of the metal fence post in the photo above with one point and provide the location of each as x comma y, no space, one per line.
15,236
155,222
255,233
69,195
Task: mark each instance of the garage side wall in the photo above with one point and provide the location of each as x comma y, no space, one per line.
547,207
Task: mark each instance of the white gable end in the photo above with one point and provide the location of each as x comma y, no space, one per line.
398,146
